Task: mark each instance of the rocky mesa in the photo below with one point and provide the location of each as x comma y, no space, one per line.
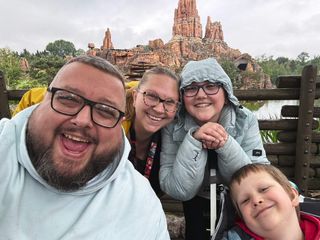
187,43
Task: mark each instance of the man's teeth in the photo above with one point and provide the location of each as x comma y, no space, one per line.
74,138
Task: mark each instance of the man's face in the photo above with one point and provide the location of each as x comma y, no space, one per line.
68,151
265,206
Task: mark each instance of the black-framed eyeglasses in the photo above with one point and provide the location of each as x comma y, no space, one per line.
152,99
70,104
209,89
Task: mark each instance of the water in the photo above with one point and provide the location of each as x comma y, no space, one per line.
272,109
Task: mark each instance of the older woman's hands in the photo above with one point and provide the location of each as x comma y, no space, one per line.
212,135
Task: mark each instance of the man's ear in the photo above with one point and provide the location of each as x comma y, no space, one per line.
295,197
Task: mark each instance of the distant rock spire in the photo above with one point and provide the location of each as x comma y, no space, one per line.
24,65
213,30
92,50
107,43
187,20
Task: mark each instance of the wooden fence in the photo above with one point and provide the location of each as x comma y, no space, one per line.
297,151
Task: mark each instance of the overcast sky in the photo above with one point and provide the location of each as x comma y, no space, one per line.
270,27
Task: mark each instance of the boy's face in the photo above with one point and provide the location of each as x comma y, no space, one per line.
264,204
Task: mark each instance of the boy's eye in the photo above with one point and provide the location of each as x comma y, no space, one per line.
244,201
264,189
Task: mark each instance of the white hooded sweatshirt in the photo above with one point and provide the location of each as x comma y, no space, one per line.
117,204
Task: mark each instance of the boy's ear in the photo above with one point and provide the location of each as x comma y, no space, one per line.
295,197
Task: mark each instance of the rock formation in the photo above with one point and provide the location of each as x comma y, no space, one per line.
187,20
213,30
92,50
186,44
107,43
24,65
156,44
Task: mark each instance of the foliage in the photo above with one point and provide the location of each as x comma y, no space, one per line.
80,52
269,136
61,48
26,83
286,66
253,106
231,70
10,66
44,68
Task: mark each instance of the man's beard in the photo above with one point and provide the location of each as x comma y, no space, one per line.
42,159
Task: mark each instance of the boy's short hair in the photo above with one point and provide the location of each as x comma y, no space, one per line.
274,172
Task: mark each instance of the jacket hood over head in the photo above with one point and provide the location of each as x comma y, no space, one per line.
201,71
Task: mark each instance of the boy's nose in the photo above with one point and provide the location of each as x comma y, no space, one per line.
257,203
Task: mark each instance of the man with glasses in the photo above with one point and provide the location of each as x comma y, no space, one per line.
64,169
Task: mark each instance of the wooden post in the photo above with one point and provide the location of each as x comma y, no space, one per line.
304,131
4,104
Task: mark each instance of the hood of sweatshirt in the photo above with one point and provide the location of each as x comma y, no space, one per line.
205,70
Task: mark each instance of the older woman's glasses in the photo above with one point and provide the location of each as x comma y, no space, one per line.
152,99
209,89
70,104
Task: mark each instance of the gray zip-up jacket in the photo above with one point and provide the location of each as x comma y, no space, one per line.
183,171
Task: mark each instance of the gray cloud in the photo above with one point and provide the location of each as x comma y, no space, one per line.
273,27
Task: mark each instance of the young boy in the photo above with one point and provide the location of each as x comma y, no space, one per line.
268,206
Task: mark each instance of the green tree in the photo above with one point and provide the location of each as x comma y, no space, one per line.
282,60
303,57
316,61
44,67
61,48
231,70
279,66
80,52
10,65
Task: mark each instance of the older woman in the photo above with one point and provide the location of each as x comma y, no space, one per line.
150,106
213,131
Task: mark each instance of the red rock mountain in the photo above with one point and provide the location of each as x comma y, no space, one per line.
107,43
187,43
186,20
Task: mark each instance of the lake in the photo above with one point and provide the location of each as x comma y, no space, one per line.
272,109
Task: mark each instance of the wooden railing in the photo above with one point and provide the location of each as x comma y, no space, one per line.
297,152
